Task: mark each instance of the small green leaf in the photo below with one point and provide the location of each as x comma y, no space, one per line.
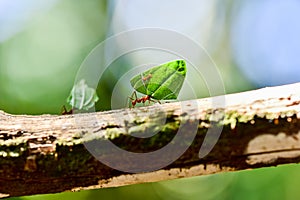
161,82
82,97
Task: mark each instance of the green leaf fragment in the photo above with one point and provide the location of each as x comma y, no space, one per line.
161,82
82,97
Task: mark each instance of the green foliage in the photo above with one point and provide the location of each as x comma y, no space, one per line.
39,63
161,82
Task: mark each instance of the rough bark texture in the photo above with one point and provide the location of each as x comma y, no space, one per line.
48,154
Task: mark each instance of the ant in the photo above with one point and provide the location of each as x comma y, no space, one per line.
134,99
146,78
66,112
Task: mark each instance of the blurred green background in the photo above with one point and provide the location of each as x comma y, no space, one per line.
253,43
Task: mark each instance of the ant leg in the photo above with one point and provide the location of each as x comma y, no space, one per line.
129,101
135,96
154,101
150,100
64,110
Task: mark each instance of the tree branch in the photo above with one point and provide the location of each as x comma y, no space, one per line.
48,153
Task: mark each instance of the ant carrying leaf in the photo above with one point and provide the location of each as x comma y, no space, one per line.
82,97
161,82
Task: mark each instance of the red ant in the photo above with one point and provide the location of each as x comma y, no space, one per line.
66,112
146,78
135,99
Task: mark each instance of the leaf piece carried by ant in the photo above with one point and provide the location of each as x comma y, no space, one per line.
82,97
161,82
